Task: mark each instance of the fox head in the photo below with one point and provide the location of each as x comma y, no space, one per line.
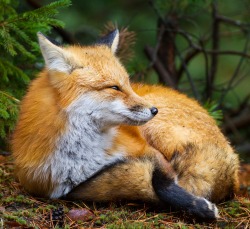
90,80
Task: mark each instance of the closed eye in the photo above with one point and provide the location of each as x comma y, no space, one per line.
115,88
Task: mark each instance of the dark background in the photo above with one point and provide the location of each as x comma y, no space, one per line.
213,26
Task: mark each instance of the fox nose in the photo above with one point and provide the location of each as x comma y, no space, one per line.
154,110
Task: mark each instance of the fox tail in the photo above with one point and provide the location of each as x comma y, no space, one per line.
173,195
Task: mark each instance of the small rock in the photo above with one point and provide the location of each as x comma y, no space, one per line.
2,209
80,214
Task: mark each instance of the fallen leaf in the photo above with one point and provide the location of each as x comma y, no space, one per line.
2,209
2,159
80,214
13,224
244,178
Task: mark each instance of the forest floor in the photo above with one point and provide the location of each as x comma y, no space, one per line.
20,210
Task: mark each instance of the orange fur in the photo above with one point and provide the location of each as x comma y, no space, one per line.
185,121
182,131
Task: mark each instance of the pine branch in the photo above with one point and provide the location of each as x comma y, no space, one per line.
38,15
11,69
10,96
18,37
8,114
67,37
18,24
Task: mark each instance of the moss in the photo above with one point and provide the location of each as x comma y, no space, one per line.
18,206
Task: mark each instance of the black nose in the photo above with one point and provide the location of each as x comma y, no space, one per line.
154,110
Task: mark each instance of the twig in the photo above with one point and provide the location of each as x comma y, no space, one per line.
195,92
236,123
232,22
10,96
236,83
166,44
164,76
227,52
234,76
206,59
215,45
245,147
159,37
195,50
190,55
166,52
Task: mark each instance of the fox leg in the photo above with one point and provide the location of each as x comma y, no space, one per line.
147,179
125,180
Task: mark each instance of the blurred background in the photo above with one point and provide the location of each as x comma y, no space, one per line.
200,47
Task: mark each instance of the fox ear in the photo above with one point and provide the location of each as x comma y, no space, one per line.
111,40
54,56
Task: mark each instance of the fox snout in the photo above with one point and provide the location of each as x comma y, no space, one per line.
140,114
153,110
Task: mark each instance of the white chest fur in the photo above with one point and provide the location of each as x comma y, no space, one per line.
80,153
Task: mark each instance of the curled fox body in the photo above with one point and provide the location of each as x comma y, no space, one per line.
85,132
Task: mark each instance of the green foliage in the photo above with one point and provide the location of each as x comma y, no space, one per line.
184,7
19,53
212,108
8,113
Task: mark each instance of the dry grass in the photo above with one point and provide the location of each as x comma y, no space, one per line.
20,210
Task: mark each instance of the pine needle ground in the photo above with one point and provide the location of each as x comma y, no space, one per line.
20,210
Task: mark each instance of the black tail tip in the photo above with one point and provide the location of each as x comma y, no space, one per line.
203,209
178,198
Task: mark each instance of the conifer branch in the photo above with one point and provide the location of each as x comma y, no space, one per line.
10,96
18,43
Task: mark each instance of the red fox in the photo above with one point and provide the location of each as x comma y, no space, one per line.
85,132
